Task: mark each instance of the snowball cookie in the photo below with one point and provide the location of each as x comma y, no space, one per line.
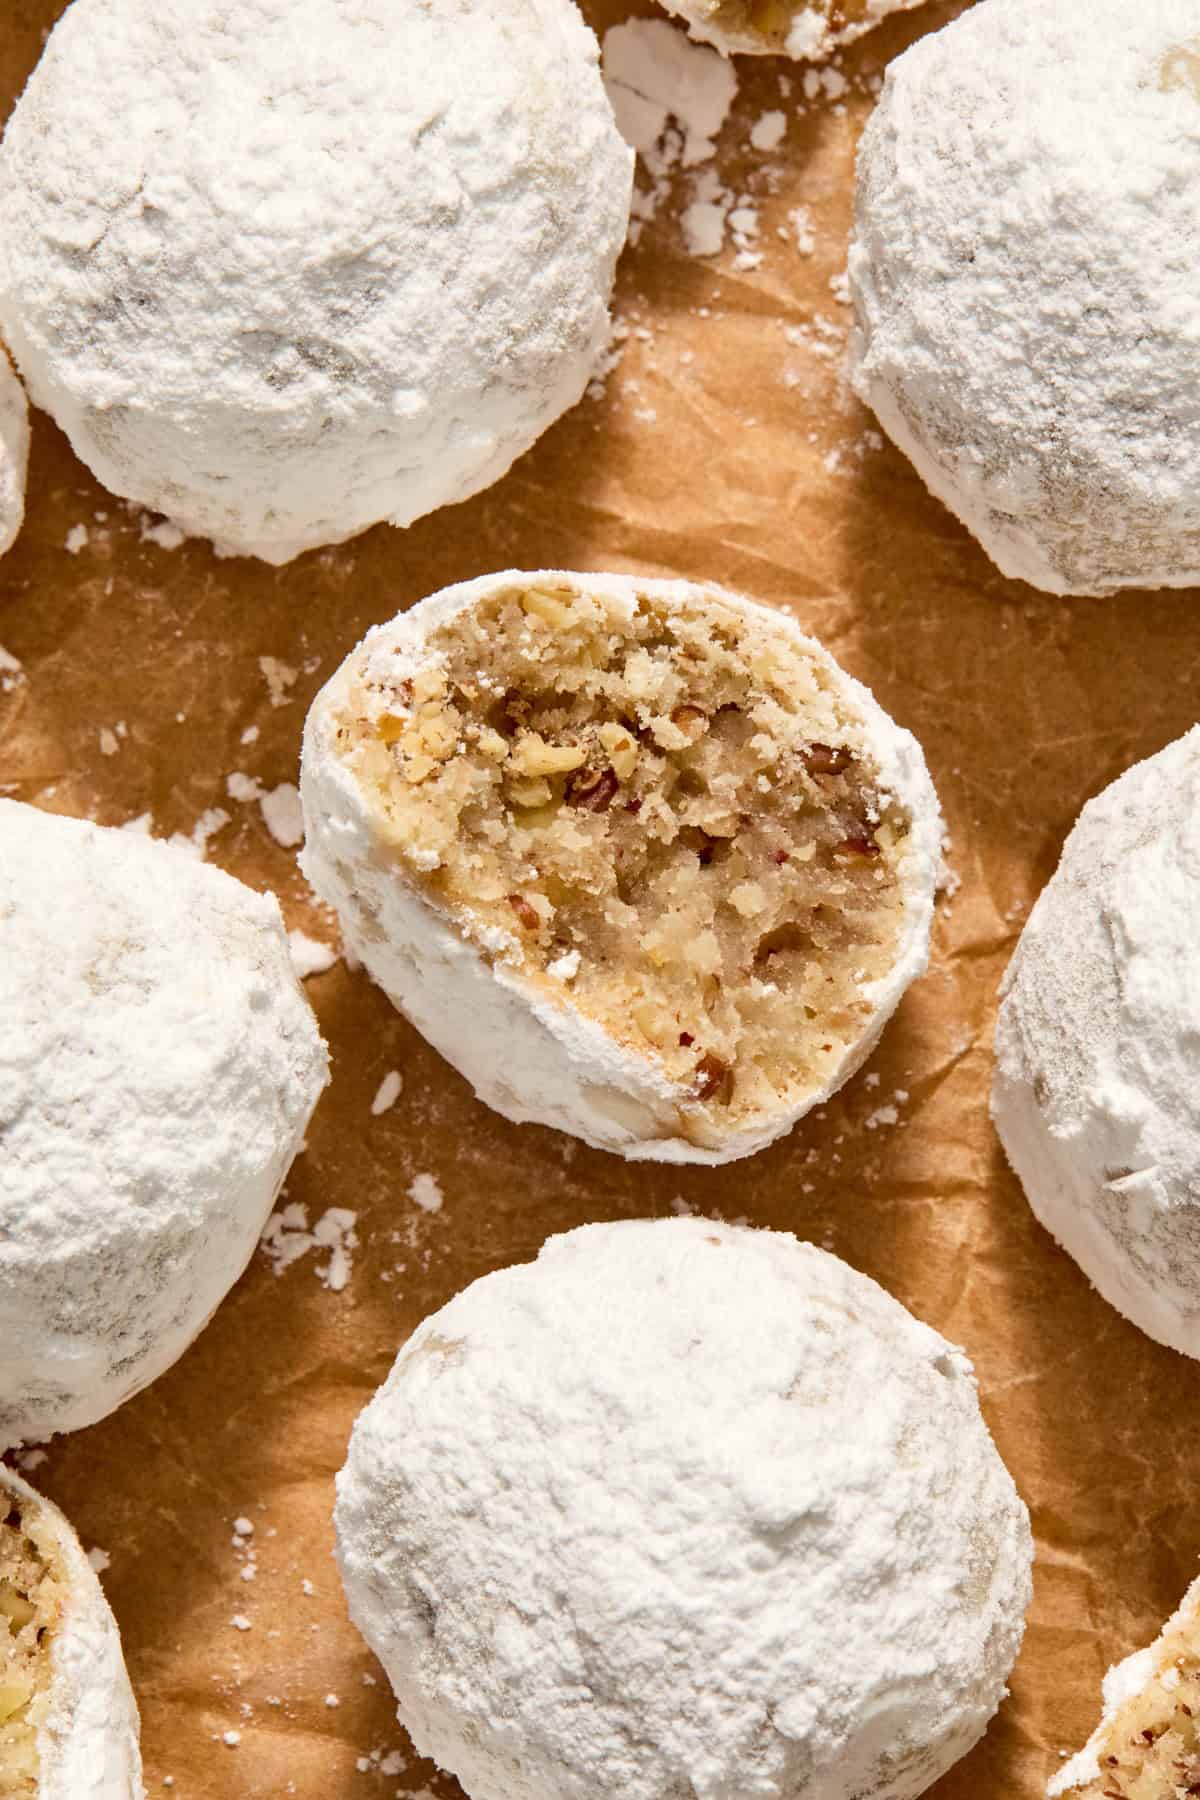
808,29
684,1509
283,269
1147,1746
1094,1093
1023,276
158,1066
636,856
14,453
68,1722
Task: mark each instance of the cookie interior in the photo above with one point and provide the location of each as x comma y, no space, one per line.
33,1589
672,815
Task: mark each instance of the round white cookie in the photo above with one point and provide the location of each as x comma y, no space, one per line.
158,1067
680,1508
68,1720
14,453
637,857
286,269
1022,271
1095,1047
810,30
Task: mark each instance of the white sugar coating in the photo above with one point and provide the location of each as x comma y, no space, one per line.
809,30
529,1050
14,453
158,1067
1022,273
87,1738
684,1509
1094,1092
285,270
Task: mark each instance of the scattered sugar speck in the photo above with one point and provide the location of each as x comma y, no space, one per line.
76,540
309,956
654,73
425,1193
280,678
99,1559
768,130
12,672
166,535
387,1093
283,815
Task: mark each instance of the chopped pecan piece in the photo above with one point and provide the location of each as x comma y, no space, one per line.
692,721
592,789
857,842
826,759
524,912
714,1079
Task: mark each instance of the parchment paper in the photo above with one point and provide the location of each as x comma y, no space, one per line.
720,448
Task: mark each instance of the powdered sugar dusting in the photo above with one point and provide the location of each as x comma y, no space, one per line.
287,1237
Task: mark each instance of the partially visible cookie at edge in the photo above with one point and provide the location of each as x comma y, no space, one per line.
68,1719
158,1068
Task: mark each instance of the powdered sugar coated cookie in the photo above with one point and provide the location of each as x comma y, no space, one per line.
286,269
1095,1047
679,1508
1023,276
158,1066
68,1721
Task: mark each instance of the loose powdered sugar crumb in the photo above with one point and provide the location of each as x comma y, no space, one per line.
425,1192
654,73
164,534
287,1237
768,131
280,678
12,672
309,955
671,98
387,1093
283,815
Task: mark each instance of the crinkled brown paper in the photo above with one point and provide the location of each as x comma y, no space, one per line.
720,449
